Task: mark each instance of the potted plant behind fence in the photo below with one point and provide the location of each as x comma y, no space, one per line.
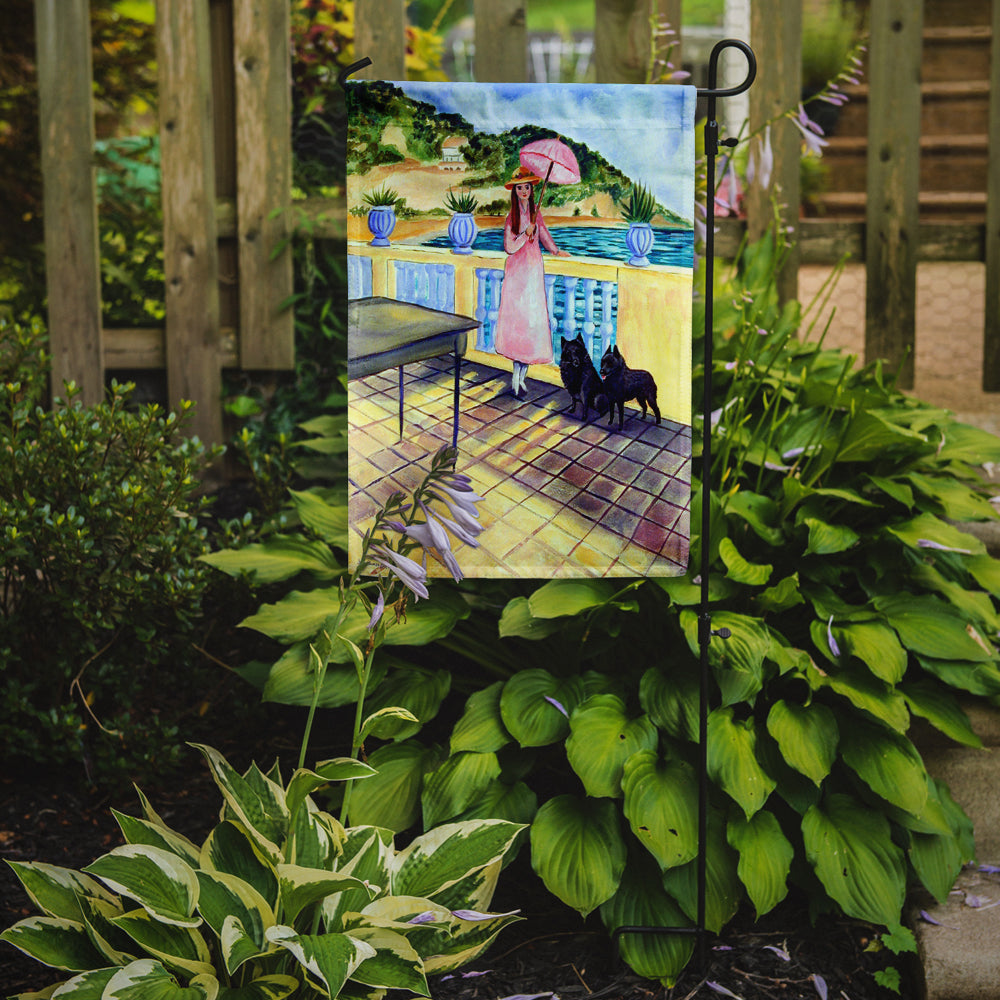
462,228
637,212
381,214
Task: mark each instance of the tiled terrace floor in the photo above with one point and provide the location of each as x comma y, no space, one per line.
561,497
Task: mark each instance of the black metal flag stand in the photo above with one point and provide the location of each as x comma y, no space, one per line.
705,631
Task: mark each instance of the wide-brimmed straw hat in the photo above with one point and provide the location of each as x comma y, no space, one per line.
522,176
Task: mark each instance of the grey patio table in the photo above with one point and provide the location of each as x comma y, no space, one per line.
389,333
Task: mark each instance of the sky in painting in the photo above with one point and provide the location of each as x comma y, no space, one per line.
645,131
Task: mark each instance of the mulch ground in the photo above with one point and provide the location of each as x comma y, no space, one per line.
551,952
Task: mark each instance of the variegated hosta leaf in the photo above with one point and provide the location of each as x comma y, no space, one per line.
441,857
304,782
602,737
56,891
481,727
300,887
723,889
274,987
87,986
578,851
535,706
466,941
328,959
54,941
230,849
476,890
315,838
391,799
732,760
141,831
116,946
807,736
456,784
149,980
367,853
395,964
765,858
888,763
850,847
177,947
642,902
661,800
225,897
256,801
158,880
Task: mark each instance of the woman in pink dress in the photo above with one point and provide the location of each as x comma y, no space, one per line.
522,331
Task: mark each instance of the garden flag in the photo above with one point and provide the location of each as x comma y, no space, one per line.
520,272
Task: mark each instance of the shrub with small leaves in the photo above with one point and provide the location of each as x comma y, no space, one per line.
99,578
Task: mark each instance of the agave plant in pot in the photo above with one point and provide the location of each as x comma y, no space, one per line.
637,212
381,214
462,229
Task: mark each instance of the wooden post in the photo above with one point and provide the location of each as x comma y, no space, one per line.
72,255
776,35
991,334
190,253
262,60
622,40
893,183
380,34
501,41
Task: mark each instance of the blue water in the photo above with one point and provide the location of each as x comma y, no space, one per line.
670,246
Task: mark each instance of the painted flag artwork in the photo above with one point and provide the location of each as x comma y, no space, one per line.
520,273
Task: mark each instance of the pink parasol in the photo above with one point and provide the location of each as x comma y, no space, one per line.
552,160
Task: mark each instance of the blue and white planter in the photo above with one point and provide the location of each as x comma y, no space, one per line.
462,231
639,240
381,223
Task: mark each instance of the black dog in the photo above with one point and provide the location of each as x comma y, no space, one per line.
580,377
622,383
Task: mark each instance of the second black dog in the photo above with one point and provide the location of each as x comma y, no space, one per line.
581,378
622,383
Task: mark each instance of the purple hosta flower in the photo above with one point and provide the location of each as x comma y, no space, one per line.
411,574
719,988
811,132
465,975
377,612
729,195
552,701
475,915
990,869
834,648
820,983
780,952
927,918
461,500
459,532
431,537
927,543
531,996
761,163
427,917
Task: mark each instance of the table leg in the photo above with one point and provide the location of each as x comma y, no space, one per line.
454,429
400,402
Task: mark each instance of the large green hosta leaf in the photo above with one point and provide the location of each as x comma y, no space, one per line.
418,690
670,698
888,763
535,706
807,736
391,798
578,851
876,646
327,520
723,889
932,628
642,902
941,709
481,727
602,738
926,528
850,848
661,806
765,858
278,558
864,691
976,678
559,598
741,570
738,661
456,785
732,760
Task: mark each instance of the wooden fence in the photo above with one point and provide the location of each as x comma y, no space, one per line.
226,161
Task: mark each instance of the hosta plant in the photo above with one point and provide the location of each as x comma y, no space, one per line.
279,900
855,603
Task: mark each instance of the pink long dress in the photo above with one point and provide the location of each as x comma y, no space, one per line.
522,330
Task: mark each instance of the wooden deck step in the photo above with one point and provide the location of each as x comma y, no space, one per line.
956,53
957,206
945,104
